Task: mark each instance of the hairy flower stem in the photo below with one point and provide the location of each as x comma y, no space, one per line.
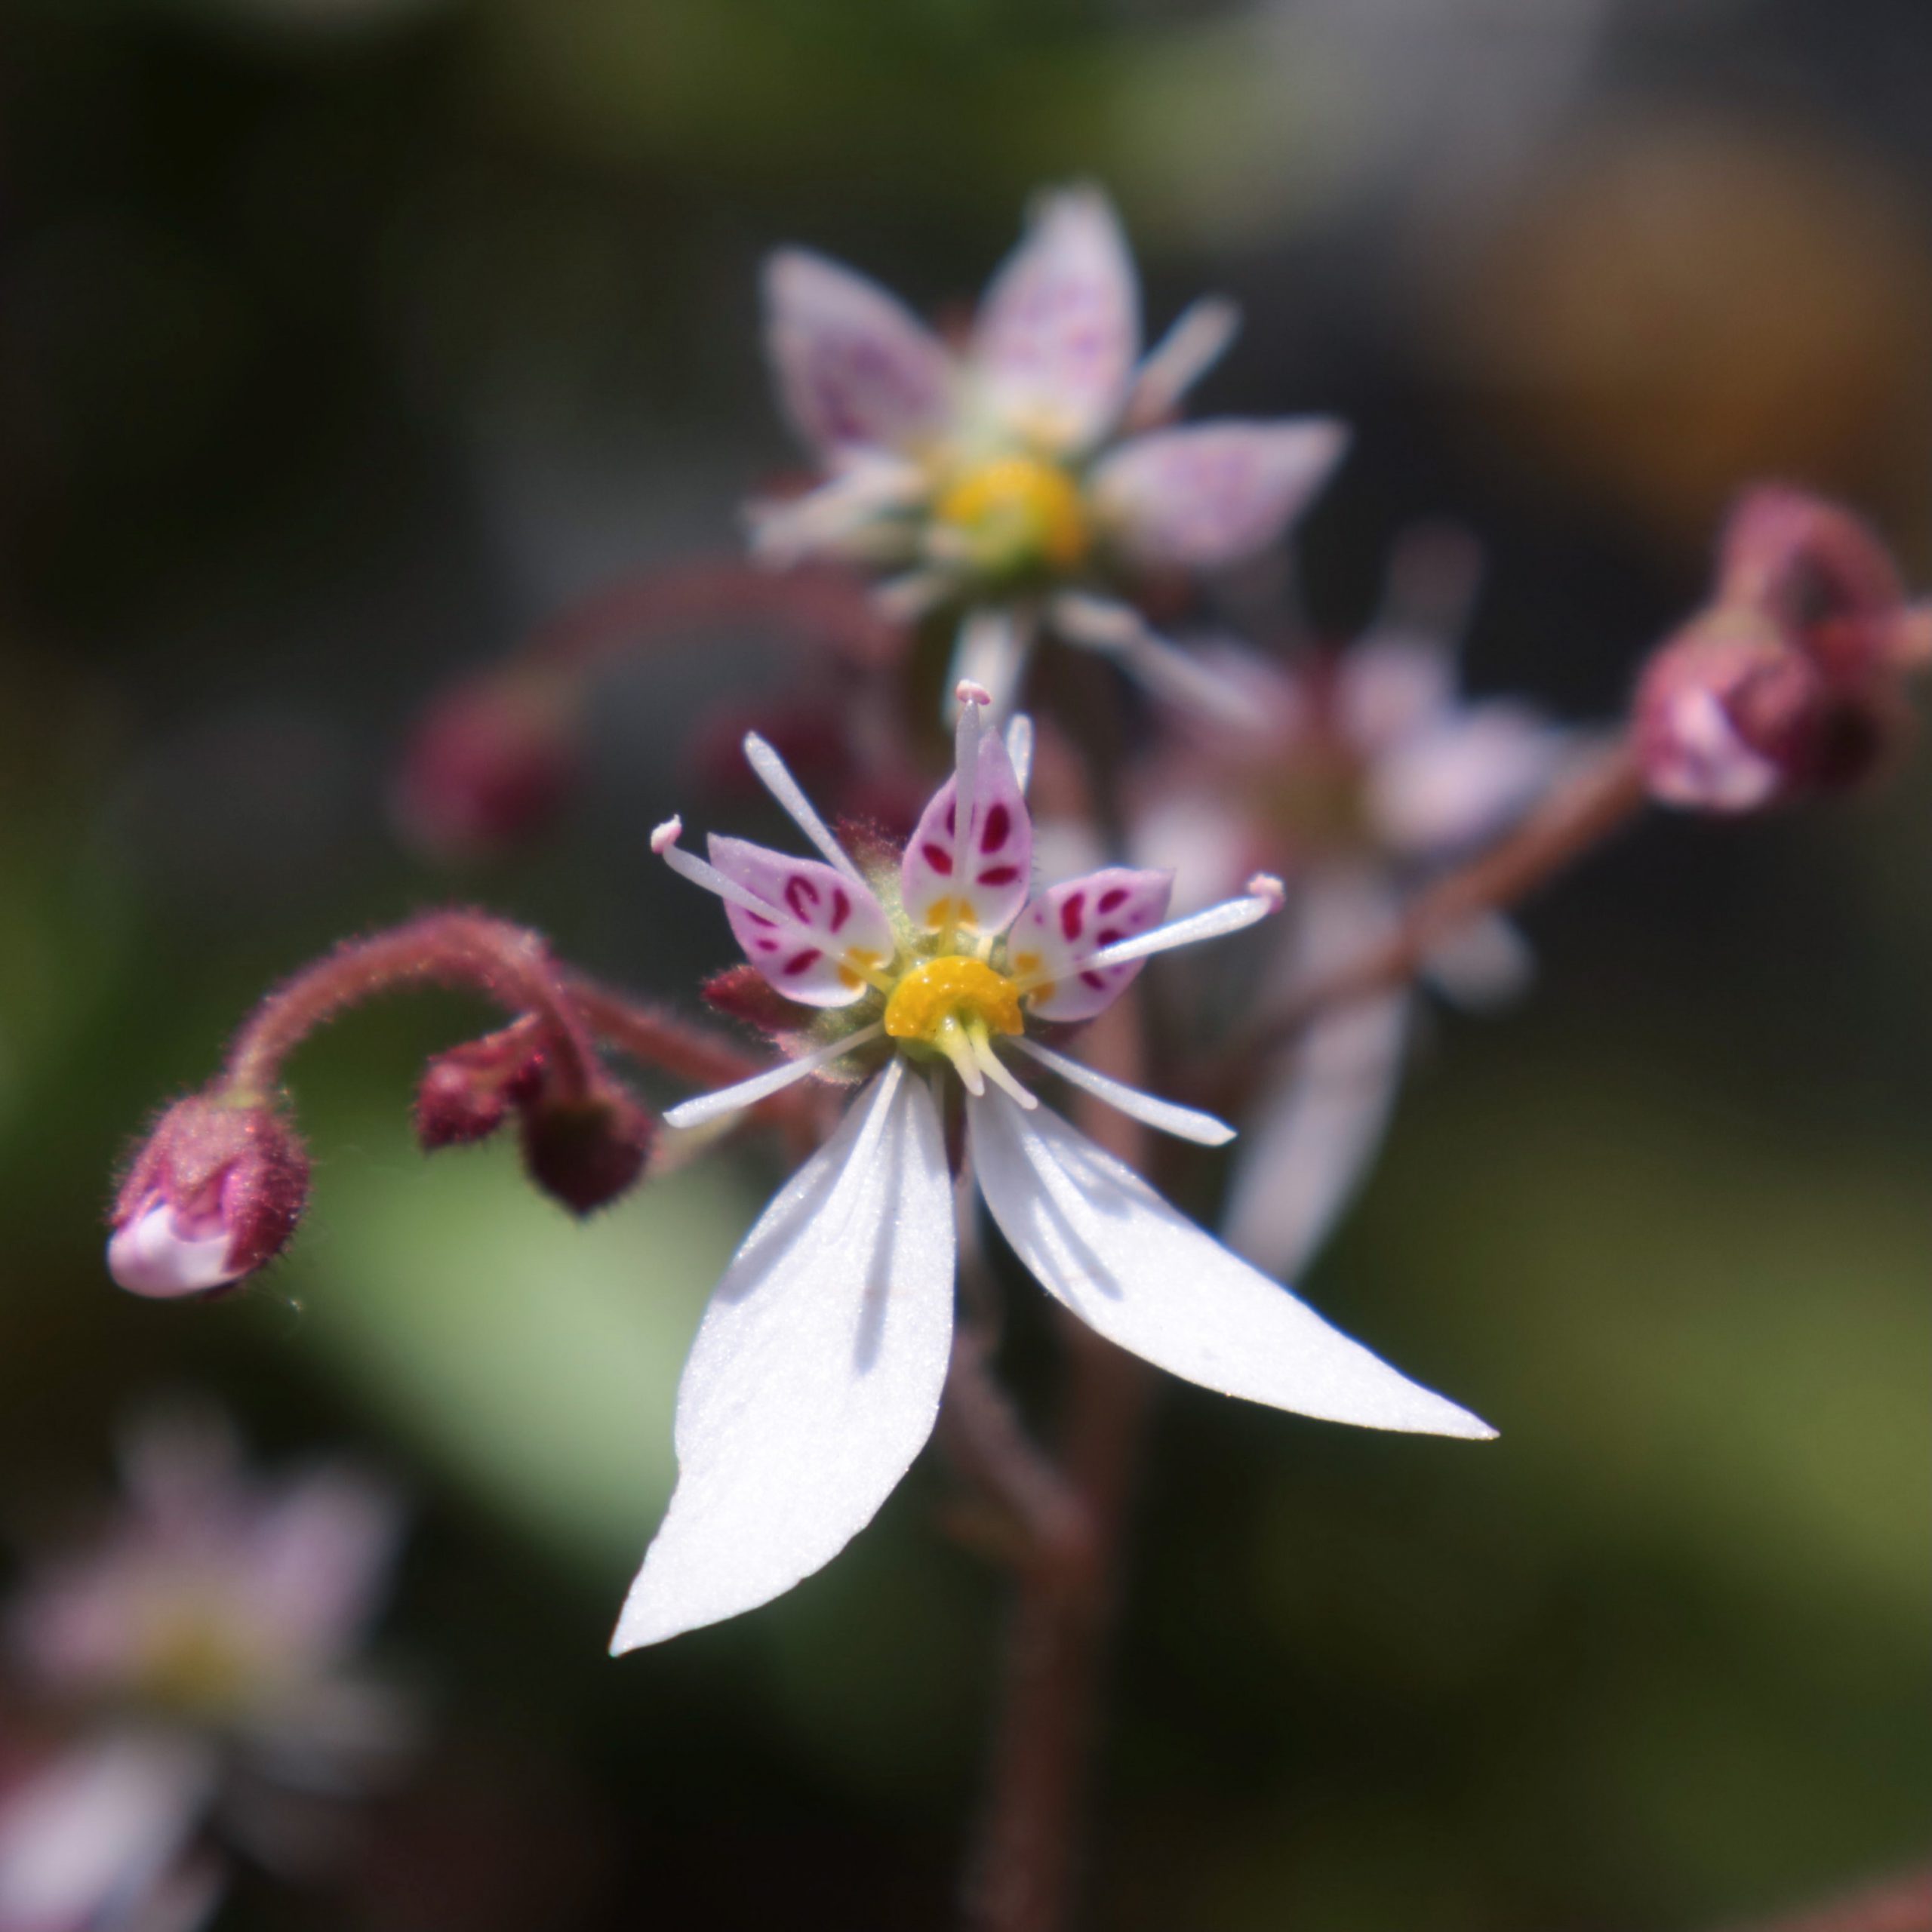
507,963
1577,816
1022,1870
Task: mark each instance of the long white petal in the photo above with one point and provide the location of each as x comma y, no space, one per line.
815,1375
703,1107
1019,749
994,643
1184,1123
1118,631
1106,1245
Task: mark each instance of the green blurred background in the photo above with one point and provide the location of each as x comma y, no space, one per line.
341,341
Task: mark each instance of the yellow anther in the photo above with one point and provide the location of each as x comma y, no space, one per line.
1016,512
954,989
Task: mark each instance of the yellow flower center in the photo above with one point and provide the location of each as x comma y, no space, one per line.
1016,513
954,991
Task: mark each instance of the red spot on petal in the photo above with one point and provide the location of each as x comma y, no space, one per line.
1107,935
801,895
1114,897
1098,981
938,857
841,906
799,962
992,834
999,875
1071,910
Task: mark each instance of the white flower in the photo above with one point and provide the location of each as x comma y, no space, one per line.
815,1375
1354,776
1017,476
207,1638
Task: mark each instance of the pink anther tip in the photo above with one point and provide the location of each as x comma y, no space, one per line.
666,836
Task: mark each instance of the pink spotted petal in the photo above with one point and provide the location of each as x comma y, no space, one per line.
855,367
822,929
1059,329
1068,923
981,885
1212,493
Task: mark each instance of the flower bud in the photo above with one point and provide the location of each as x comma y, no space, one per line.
466,1092
587,1152
490,764
1793,681
213,1195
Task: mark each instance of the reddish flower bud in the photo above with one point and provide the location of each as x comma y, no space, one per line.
466,1092
213,1195
1793,681
588,1151
490,764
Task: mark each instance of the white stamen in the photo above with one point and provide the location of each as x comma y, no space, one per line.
1019,749
681,862
952,1040
777,780
1230,916
762,1086
1265,885
997,1071
1184,1123
966,763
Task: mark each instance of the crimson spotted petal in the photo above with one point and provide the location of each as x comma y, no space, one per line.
819,931
1064,927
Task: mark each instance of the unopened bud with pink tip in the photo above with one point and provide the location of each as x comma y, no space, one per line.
1793,680
214,1194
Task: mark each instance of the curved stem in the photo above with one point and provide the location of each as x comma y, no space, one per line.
506,963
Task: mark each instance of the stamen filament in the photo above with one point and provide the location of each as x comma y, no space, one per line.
996,1070
966,770
664,843
1232,915
1185,1123
777,780
695,1112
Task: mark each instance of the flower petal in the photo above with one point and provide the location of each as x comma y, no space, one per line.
821,929
1103,1243
815,1375
1059,327
981,881
1067,924
1212,493
855,367
1197,340
1465,780
1320,1119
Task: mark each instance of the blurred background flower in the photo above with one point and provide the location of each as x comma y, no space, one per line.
339,349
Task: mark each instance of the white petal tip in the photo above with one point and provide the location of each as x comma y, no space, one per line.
1265,885
666,836
967,692
151,1257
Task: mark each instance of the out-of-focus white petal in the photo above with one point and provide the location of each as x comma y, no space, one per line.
320,1567
1319,1122
1190,683
154,1255
1062,928
1483,964
1464,780
91,1840
1390,686
815,927
855,367
1198,339
1212,493
856,516
1106,1245
1059,327
1210,848
815,1375
990,650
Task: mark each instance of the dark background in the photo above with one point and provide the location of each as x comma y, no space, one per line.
342,341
